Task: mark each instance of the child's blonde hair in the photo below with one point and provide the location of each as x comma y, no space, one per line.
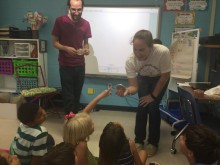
78,128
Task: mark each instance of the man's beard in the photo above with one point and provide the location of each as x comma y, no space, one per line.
75,17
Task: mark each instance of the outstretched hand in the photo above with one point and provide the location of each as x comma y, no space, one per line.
105,93
121,90
92,103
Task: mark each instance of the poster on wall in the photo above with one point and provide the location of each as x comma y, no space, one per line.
184,51
180,28
196,5
174,5
184,18
185,5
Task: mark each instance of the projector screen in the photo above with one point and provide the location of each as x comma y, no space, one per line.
112,31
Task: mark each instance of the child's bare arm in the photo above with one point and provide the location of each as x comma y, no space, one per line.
140,157
81,153
92,104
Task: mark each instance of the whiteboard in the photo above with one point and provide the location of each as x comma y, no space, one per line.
112,31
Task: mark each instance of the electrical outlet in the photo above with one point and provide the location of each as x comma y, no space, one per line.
90,91
43,46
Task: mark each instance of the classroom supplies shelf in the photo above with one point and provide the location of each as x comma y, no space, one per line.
14,52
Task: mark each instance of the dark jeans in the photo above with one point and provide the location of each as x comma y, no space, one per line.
72,80
146,86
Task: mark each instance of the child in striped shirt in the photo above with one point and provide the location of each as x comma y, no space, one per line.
31,141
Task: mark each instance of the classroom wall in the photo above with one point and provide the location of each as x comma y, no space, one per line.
12,13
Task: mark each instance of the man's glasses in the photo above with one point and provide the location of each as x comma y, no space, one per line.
76,10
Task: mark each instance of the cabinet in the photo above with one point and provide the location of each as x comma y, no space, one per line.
18,50
212,61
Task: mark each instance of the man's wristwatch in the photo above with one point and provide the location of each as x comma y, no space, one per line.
153,96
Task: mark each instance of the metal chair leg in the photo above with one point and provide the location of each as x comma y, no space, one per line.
173,149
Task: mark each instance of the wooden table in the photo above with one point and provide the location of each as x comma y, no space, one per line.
208,99
207,103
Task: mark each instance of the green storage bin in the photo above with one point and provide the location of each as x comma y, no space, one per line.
26,70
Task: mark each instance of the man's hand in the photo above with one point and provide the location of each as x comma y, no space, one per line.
145,100
121,90
86,51
70,50
81,52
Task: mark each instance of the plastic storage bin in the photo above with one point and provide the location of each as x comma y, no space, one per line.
26,83
6,66
27,70
22,50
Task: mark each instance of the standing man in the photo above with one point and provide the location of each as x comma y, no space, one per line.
148,71
70,36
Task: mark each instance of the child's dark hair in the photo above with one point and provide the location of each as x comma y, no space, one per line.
203,142
3,161
62,153
27,112
68,3
157,41
113,142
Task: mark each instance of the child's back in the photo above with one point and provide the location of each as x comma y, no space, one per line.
62,153
30,141
77,129
115,148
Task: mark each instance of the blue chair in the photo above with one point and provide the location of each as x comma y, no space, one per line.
188,106
189,111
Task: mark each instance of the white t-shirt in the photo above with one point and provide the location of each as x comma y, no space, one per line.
159,61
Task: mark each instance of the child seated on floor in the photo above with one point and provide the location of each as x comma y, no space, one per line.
200,145
32,140
77,129
116,148
62,153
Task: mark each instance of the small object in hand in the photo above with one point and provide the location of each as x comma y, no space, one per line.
120,87
80,52
86,51
109,86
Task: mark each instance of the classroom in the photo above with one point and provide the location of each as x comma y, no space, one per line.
187,28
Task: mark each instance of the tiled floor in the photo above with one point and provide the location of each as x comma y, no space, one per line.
100,118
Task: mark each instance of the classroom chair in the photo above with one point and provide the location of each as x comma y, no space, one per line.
34,88
189,112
